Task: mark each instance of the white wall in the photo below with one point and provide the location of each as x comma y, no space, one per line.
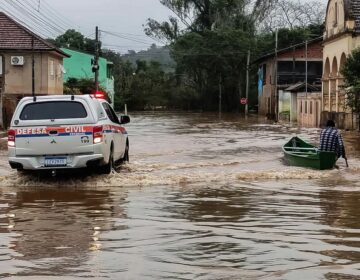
284,101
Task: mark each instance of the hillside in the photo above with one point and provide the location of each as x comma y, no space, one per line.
154,53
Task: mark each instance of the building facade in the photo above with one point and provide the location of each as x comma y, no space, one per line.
342,36
309,109
279,76
22,54
79,66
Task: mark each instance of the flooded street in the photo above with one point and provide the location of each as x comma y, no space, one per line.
202,198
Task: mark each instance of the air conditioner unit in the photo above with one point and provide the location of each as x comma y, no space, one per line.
17,60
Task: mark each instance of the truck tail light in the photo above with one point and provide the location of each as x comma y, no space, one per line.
97,134
11,137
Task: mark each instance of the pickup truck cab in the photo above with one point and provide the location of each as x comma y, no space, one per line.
66,132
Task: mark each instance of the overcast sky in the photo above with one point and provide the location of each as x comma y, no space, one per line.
124,17
121,16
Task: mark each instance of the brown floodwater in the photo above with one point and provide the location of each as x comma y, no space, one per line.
203,198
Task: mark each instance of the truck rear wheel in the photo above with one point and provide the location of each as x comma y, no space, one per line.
107,168
126,154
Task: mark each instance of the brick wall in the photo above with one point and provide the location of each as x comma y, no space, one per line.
315,50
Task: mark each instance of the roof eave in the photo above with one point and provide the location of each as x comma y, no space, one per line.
284,50
46,43
56,50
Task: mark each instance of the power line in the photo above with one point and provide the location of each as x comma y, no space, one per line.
33,18
219,54
40,29
125,37
42,18
54,22
122,46
55,27
59,17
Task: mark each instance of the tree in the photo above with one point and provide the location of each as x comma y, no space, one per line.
351,73
80,86
288,37
75,40
294,14
212,48
202,15
71,39
121,70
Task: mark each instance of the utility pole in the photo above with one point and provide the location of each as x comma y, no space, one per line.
96,59
306,68
247,83
276,78
32,67
220,94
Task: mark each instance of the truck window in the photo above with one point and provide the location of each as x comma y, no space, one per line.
110,113
53,110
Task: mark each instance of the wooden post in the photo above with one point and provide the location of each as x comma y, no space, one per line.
220,94
247,83
276,78
306,68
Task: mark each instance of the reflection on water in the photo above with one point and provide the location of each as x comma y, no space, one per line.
54,229
201,199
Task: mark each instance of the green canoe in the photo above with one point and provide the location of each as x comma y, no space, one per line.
299,153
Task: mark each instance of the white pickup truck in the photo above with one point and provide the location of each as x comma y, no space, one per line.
66,132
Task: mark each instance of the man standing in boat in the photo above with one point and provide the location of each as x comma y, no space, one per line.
331,140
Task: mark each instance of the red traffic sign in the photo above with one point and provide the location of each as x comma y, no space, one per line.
243,101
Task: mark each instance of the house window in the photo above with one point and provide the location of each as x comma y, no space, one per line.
301,109
52,68
306,107
336,14
311,107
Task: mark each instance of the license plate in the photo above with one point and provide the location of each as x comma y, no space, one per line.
55,161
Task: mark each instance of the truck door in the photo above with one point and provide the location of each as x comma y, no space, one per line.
116,130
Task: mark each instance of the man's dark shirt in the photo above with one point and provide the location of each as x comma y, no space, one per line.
331,140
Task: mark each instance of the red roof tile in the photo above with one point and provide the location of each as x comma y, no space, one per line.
14,36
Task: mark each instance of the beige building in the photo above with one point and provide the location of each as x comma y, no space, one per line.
342,36
309,109
278,88
19,47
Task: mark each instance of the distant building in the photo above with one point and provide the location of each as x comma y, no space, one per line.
308,103
342,36
79,66
289,80
17,46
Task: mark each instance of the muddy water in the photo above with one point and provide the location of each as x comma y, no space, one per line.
202,198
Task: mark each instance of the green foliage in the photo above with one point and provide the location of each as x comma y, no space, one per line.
144,85
288,37
351,73
74,40
154,53
79,86
149,87
213,47
208,54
